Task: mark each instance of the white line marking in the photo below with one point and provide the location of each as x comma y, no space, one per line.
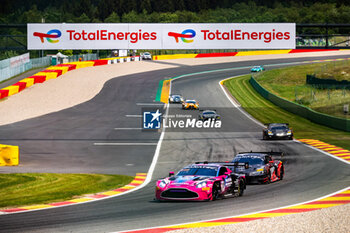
302,203
324,152
133,115
127,128
228,96
156,154
151,169
259,123
150,104
125,144
146,182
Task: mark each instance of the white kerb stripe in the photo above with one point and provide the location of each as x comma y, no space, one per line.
125,144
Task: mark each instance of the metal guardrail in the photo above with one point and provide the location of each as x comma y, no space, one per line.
317,117
7,71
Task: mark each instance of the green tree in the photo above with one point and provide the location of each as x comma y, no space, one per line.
8,54
131,17
95,20
168,18
83,19
66,52
180,5
51,15
112,18
187,17
85,51
106,7
146,6
31,16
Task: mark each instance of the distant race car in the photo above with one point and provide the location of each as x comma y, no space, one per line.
260,166
190,104
146,56
175,98
277,131
257,69
202,181
208,115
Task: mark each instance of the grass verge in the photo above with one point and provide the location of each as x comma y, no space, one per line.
266,112
38,188
290,83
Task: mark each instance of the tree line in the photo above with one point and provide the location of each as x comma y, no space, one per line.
168,11
174,11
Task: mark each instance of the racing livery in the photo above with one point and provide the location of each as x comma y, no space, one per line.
202,181
190,104
260,166
257,69
208,115
175,98
277,131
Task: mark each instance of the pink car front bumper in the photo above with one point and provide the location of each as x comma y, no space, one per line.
185,193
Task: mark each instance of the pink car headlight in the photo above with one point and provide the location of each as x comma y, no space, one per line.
201,185
162,184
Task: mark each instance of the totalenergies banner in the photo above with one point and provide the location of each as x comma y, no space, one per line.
161,36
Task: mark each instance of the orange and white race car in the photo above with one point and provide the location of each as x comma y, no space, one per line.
190,104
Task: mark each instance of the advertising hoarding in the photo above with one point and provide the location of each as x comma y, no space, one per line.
161,36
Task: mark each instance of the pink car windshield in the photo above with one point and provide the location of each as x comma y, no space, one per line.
198,171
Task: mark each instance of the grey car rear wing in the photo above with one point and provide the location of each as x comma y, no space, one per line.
273,153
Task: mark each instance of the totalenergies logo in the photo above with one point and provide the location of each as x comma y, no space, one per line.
187,34
50,35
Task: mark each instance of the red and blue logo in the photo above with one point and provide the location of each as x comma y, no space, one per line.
185,35
50,35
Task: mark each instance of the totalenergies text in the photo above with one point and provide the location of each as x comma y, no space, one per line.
267,37
134,37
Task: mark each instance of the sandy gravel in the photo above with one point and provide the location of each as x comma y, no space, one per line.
81,85
335,219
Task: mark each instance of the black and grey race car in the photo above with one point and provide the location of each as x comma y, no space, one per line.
260,167
208,115
277,131
175,98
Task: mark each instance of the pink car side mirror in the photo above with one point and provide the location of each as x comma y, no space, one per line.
171,173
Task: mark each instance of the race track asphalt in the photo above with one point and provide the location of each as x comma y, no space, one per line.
64,142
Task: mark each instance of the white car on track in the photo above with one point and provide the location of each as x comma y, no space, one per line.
146,56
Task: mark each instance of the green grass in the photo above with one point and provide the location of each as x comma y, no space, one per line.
290,83
38,188
266,112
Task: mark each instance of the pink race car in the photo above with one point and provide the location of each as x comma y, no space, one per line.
201,182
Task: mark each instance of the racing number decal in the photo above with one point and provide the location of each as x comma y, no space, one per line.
228,182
